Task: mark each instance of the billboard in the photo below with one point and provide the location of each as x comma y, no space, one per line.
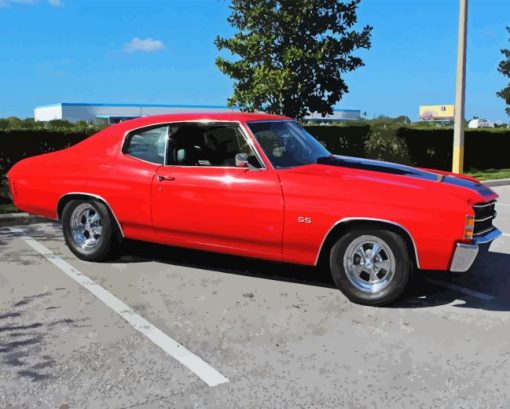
437,112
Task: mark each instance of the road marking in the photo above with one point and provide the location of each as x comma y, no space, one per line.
502,204
460,289
195,364
506,234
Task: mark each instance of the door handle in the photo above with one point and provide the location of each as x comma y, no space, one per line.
165,178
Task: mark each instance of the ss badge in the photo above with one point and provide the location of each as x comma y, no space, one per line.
306,220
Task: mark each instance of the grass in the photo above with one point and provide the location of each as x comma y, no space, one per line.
489,174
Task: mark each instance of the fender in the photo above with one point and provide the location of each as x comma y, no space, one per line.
370,219
94,196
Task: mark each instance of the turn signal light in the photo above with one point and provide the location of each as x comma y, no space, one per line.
470,227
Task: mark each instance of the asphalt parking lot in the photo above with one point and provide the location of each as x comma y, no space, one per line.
162,327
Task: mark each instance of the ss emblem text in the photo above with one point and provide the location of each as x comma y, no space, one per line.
306,220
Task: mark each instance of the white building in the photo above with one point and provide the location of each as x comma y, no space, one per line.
113,113
480,123
338,115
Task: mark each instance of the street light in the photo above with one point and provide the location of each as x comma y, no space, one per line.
458,129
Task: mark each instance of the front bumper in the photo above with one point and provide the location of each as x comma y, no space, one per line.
465,254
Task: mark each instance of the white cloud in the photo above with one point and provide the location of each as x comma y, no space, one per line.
147,45
55,3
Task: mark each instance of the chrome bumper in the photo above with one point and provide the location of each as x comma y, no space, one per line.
465,254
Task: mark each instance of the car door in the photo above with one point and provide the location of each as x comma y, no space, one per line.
125,180
201,199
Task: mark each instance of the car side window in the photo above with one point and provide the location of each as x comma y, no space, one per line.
148,144
208,145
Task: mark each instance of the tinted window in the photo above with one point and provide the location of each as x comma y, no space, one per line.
148,144
286,144
208,145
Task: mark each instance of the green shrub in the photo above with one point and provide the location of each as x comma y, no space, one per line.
342,140
19,144
384,144
484,149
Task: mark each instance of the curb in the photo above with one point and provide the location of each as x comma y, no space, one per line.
496,182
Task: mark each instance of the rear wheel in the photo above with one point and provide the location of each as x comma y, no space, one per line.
88,229
371,267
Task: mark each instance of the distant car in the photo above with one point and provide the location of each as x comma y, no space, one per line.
480,123
259,186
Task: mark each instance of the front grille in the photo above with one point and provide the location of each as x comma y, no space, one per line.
484,217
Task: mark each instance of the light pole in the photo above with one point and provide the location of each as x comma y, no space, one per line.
458,130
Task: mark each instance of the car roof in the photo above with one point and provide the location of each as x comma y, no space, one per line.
206,116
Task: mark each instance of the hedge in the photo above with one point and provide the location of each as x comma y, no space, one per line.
19,144
433,148
348,140
426,148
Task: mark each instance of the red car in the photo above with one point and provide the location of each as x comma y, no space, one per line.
259,186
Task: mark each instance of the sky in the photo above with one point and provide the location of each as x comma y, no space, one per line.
162,51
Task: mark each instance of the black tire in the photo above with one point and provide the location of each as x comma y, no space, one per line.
402,272
107,242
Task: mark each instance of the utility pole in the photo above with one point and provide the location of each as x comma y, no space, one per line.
458,130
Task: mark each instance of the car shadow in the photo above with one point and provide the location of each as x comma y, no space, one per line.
490,275
136,252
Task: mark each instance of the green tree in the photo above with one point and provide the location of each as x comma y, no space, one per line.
290,55
504,68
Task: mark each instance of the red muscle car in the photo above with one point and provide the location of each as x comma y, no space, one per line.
259,186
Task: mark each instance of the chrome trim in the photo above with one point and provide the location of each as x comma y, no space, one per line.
370,219
244,133
481,205
463,257
272,120
245,130
486,218
96,197
492,228
493,235
465,254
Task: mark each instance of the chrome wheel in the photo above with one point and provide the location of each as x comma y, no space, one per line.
369,264
86,227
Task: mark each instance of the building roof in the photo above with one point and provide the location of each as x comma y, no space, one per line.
177,106
94,104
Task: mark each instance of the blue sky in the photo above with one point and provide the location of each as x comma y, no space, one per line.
156,51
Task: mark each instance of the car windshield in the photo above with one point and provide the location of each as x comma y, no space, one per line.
286,144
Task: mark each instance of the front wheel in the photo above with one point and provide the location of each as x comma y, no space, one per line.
371,267
88,229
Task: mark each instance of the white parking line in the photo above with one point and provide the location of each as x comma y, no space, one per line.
502,204
460,289
506,234
195,364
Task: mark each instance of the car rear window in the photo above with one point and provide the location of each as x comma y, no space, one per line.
148,144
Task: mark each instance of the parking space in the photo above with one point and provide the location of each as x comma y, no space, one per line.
279,335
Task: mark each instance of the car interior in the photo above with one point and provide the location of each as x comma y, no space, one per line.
212,145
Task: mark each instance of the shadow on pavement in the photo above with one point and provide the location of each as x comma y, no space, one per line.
491,275
135,252
21,344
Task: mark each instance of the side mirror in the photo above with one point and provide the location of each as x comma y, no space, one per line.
242,160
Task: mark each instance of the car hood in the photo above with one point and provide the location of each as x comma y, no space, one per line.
408,172
365,172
